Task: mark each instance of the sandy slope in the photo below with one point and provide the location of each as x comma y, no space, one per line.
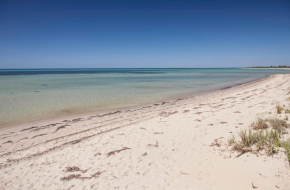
172,145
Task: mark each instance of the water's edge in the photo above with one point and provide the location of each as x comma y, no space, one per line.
160,103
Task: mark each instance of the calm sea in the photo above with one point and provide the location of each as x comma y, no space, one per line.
34,94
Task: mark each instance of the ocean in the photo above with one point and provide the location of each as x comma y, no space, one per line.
35,94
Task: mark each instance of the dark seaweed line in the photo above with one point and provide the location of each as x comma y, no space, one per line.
64,145
79,132
61,137
97,127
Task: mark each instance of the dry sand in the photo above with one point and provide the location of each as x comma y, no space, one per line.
180,144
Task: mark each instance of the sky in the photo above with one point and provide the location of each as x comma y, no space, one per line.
151,33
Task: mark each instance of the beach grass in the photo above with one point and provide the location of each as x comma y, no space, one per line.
259,124
264,135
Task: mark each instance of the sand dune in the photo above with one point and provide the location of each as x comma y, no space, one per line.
181,144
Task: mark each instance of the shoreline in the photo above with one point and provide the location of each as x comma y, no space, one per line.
266,68
55,118
180,144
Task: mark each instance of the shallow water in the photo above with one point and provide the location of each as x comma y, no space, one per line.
28,95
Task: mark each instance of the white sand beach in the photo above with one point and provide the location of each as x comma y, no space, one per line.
176,145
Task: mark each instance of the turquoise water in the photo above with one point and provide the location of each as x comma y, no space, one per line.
28,95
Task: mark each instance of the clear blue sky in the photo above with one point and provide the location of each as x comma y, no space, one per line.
152,33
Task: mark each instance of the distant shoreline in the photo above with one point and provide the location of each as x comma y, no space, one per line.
283,68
